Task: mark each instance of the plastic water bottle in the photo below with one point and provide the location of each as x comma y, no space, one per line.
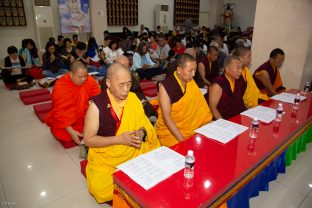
189,164
279,112
306,88
296,102
34,83
254,128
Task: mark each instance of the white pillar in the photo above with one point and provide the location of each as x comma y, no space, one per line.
98,17
284,24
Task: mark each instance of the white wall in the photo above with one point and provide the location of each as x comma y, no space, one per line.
146,14
307,70
98,19
284,24
210,14
214,13
244,13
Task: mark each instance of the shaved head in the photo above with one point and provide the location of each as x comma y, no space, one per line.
78,72
191,51
121,59
75,65
118,81
116,68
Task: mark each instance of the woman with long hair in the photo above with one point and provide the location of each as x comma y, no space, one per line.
52,62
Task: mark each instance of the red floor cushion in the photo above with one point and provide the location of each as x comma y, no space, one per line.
36,99
42,108
42,116
148,85
83,165
68,145
31,93
150,93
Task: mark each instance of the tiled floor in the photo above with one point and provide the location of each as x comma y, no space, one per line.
35,171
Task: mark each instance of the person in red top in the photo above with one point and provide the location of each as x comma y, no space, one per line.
70,97
179,47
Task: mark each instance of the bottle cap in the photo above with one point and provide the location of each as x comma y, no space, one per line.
280,105
190,153
255,119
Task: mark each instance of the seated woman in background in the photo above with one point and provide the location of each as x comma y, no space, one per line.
179,47
12,75
82,56
34,53
24,52
68,53
51,62
92,47
112,51
152,42
143,64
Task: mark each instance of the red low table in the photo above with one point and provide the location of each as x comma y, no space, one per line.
221,169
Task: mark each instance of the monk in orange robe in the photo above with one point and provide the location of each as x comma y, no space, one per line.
70,98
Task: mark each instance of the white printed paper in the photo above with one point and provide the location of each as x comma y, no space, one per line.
287,97
151,168
264,114
221,130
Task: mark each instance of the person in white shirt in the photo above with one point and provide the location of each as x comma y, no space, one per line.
222,46
143,64
158,30
112,51
247,42
143,30
162,52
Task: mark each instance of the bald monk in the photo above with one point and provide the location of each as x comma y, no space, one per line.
135,88
227,91
70,98
182,106
268,77
208,67
252,94
116,130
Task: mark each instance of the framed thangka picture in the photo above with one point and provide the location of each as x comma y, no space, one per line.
12,13
74,16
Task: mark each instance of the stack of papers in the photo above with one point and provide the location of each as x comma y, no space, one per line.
264,114
221,130
151,168
287,97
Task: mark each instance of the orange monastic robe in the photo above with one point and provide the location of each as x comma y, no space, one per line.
69,106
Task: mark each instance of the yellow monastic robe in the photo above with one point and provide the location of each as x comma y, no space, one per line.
189,113
102,162
252,93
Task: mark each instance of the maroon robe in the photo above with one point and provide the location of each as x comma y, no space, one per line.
272,74
231,103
